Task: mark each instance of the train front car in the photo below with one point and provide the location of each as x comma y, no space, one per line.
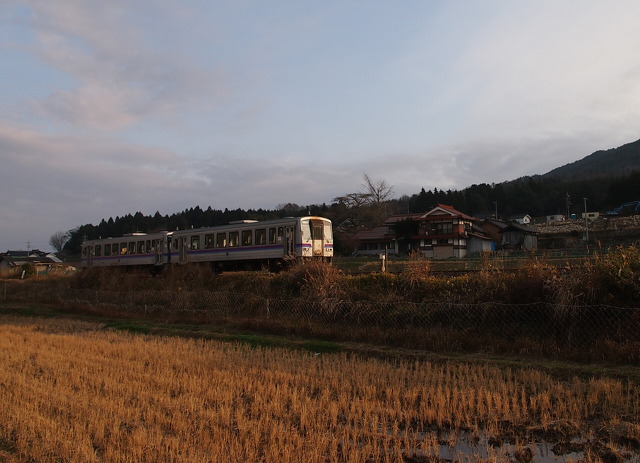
314,238
250,244
136,249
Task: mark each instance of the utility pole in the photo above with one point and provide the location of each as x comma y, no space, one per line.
586,221
568,204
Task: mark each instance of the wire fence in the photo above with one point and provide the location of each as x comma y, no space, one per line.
579,332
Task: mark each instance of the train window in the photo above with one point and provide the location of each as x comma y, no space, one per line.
148,248
272,236
175,243
261,236
98,250
233,238
316,230
132,248
84,252
123,249
208,241
140,247
221,240
195,242
247,236
280,234
107,249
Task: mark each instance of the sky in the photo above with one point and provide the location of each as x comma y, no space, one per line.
116,107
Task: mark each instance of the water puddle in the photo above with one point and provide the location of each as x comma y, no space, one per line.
467,447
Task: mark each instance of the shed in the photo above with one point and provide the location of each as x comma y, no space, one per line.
11,265
519,237
555,218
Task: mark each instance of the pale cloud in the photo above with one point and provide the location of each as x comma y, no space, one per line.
552,68
120,74
86,177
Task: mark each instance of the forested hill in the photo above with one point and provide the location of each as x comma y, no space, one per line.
607,178
604,163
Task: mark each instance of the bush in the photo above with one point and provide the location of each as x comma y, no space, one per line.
28,271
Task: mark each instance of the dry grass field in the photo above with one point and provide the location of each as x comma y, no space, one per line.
72,391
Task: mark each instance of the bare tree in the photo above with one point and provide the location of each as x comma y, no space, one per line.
378,189
58,240
379,192
366,208
353,200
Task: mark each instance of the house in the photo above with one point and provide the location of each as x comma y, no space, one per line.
479,242
555,218
492,228
521,218
445,232
12,263
441,233
519,237
374,242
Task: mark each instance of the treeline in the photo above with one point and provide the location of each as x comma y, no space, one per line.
537,196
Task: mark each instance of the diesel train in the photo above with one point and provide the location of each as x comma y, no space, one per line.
245,244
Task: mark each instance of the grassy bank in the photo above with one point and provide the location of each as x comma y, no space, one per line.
587,312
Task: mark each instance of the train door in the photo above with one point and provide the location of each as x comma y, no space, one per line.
183,249
289,240
159,249
317,238
89,250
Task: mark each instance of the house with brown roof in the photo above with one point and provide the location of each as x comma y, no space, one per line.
373,242
441,233
445,232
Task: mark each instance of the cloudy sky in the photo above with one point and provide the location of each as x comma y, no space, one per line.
113,107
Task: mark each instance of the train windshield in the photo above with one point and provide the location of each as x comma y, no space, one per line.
316,230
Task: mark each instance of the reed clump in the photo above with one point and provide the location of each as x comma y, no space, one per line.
607,278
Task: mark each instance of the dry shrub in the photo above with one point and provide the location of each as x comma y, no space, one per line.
188,277
416,270
372,286
529,283
315,280
491,262
113,279
607,278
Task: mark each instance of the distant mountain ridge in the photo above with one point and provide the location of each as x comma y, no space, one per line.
615,162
